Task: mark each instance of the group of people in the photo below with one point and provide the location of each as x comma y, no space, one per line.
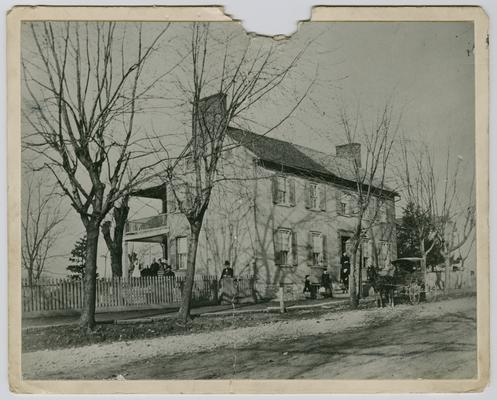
158,267
325,285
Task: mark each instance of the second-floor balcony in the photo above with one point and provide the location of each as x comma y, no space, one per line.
147,229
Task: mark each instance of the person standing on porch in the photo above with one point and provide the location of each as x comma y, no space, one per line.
136,269
169,272
154,268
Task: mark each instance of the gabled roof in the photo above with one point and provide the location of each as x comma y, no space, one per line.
308,161
276,151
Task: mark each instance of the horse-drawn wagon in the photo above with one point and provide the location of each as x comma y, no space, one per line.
403,281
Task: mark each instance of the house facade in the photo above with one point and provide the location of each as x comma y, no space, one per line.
278,212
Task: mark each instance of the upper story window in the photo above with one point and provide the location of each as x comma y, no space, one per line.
315,196
313,188
285,247
181,252
283,190
382,211
344,203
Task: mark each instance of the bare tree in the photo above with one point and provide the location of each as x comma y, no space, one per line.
371,195
446,220
455,214
418,189
241,80
83,82
41,220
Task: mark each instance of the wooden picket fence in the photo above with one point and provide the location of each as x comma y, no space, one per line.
117,294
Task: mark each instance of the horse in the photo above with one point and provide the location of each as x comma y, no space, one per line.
383,283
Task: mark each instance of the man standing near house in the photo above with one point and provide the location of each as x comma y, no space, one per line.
227,271
226,283
326,284
439,283
345,272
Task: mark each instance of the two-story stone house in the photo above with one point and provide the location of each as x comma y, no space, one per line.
278,212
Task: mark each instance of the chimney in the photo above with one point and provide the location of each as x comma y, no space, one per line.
350,151
210,114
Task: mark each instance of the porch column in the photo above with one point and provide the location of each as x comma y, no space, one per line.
164,248
125,260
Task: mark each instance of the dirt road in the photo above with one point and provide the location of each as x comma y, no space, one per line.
434,340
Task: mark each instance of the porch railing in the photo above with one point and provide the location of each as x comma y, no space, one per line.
143,224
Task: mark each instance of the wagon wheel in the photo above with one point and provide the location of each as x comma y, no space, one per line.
414,293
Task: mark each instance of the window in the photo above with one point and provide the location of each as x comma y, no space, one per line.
371,208
313,188
181,252
382,211
315,196
283,190
344,203
285,246
317,249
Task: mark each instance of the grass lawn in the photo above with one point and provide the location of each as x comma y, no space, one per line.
64,336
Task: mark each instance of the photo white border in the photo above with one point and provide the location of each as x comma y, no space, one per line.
248,386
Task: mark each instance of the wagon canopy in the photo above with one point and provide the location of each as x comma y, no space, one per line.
408,264
407,259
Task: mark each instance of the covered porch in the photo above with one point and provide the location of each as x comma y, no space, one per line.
153,229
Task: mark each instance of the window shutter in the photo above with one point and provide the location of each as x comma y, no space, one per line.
291,188
274,189
309,248
172,252
322,197
295,260
325,250
276,243
307,190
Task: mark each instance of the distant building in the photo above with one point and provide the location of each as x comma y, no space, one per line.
280,211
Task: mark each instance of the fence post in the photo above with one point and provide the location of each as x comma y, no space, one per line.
282,300
216,290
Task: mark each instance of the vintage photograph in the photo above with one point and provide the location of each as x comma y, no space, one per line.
202,203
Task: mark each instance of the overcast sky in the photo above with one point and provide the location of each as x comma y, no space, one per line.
426,68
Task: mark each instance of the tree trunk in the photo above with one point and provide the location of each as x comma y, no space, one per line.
423,260
184,311
87,320
447,271
354,300
115,244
